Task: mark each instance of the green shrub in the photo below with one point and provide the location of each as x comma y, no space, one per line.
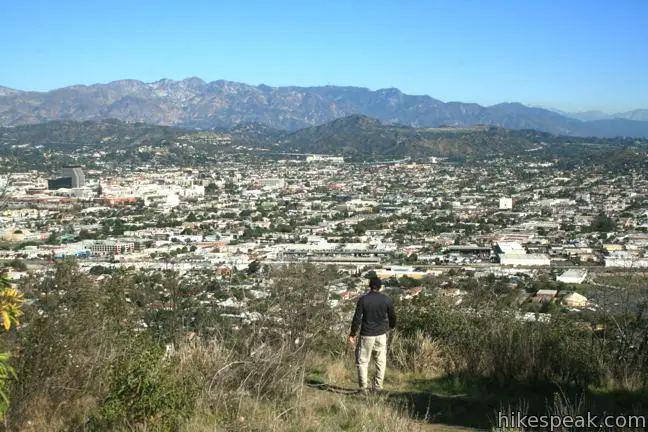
496,344
145,390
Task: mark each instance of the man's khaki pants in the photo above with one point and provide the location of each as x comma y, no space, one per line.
368,345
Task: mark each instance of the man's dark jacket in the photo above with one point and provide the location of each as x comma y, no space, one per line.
376,314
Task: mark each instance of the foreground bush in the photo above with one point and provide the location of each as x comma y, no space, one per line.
145,388
88,358
495,344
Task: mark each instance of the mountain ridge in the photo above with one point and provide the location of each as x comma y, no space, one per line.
198,104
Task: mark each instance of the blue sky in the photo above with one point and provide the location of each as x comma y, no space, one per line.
567,54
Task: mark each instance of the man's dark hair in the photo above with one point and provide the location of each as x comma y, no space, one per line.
375,283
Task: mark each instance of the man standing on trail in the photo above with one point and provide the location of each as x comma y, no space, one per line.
374,316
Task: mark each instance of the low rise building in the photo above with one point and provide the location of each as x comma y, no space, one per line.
573,276
524,260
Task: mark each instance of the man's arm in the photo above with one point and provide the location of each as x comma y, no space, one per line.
357,319
391,314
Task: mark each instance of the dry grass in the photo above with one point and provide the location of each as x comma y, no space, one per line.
233,397
372,414
417,354
38,418
316,411
341,372
306,410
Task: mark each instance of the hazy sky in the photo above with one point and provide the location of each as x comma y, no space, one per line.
567,54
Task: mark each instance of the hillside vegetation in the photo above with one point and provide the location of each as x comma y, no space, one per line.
357,138
139,351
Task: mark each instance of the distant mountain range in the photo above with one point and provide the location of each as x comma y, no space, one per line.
194,103
639,115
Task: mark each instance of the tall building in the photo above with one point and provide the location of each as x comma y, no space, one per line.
59,183
75,172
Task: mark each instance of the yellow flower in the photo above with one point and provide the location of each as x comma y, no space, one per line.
10,301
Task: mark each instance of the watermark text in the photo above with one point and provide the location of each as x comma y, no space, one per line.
525,422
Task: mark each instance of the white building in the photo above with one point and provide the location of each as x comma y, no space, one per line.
172,200
82,192
506,203
323,158
626,262
316,240
110,247
573,276
524,260
276,183
511,248
193,191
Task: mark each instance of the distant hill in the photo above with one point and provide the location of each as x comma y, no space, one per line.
105,134
196,104
255,134
360,136
612,127
356,137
